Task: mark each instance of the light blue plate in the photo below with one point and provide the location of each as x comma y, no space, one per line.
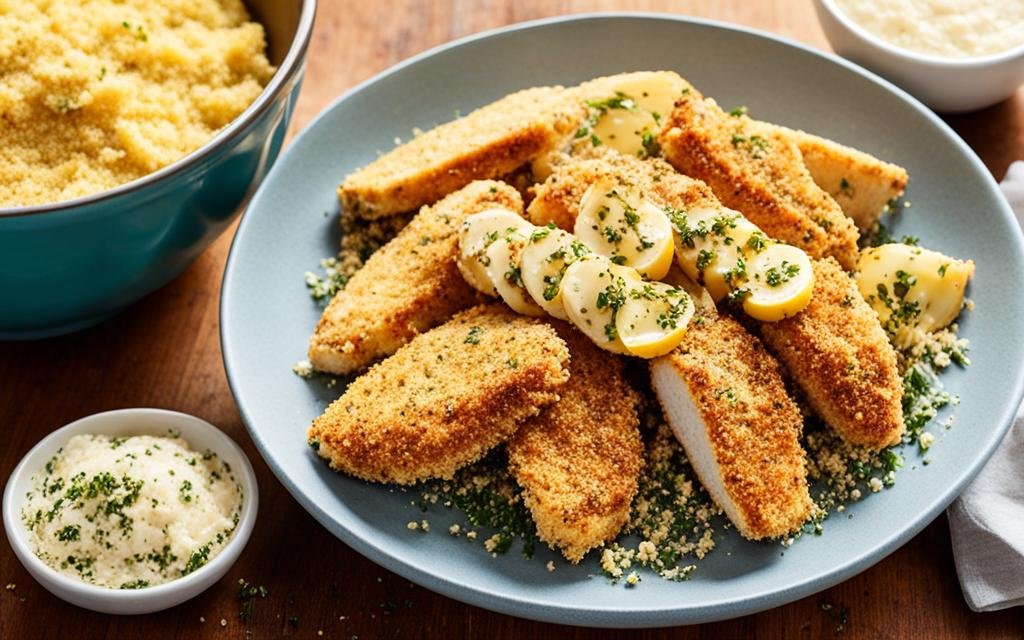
267,316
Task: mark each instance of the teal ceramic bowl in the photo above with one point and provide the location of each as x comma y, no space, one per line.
71,264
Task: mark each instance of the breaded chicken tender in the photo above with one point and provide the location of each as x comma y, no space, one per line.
724,397
579,460
445,399
409,285
861,184
753,168
486,144
839,355
557,199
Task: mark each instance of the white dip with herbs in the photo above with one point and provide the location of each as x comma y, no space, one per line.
129,513
948,28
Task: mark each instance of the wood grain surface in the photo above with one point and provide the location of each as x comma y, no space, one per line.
165,352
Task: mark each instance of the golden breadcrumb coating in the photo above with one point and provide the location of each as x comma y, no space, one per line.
746,449
409,285
839,355
754,169
557,199
488,143
579,460
443,400
861,184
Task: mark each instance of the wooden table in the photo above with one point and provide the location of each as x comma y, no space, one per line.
165,352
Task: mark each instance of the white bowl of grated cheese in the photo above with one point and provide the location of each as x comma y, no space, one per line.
953,55
131,511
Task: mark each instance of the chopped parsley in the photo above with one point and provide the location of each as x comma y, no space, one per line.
514,275
473,337
247,594
757,241
541,232
612,297
650,145
197,560
778,276
69,533
135,584
704,258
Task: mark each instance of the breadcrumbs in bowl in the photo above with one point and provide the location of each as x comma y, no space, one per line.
100,93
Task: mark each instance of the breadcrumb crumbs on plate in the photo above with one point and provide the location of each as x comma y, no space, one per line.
303,369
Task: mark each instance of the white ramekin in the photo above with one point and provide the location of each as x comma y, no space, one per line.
201,435
948,85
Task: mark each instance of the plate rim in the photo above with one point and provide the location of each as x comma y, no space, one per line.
589,614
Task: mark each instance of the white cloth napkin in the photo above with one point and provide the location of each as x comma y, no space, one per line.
986,523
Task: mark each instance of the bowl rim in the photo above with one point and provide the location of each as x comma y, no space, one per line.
908,55
496,600
49,577
286,70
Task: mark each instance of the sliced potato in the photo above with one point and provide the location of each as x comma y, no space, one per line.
702,300
733,259
710,247
911,287
780,281
547,253
503,271
630,116
477,233
620,223
593,291
653,318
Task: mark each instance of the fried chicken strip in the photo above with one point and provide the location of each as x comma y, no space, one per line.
724,397
861,184
839,355
409,285
445,399
486,144
755,169
579,460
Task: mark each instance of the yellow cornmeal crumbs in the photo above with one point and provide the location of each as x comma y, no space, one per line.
96,93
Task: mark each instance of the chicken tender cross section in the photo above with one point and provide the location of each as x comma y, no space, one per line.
756,170
445,399
839,355
486,144
408,286
557,199
724,398
579,460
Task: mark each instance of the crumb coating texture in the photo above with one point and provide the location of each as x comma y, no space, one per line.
751,423
408,286
488,143
579,460
445,399
839,355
